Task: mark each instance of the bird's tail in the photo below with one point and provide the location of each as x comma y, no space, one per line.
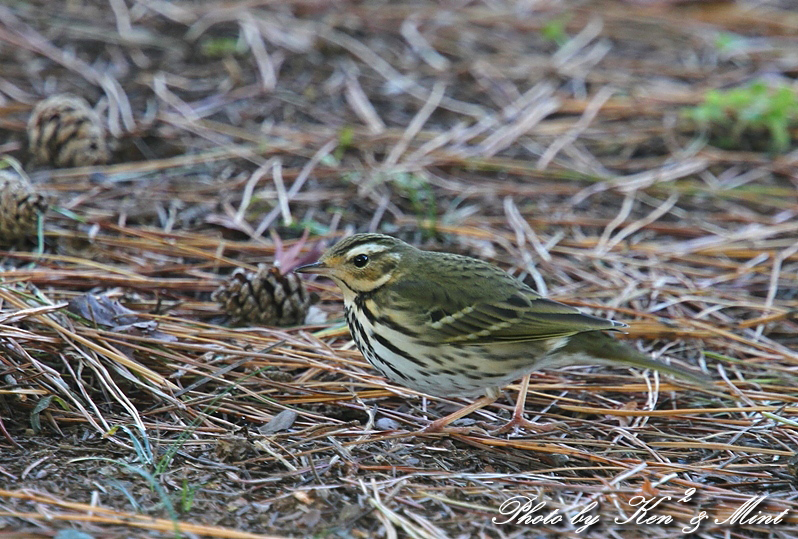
592,347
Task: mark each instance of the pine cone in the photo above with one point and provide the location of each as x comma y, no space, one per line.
20,206
64,131
266,297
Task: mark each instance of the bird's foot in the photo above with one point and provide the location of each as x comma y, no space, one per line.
440,425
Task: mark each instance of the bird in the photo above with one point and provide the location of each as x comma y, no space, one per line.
447,325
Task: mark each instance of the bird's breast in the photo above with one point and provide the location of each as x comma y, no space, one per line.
404,356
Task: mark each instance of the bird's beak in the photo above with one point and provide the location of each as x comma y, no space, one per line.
319,268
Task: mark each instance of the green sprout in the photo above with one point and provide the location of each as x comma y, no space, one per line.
758,116
554,31
345,139
219,47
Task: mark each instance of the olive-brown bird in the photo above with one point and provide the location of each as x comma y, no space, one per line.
446,324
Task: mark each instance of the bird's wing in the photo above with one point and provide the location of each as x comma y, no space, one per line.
483,309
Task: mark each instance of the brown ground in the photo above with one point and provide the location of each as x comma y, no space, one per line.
457,126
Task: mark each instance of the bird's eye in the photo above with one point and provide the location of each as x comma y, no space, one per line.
360,261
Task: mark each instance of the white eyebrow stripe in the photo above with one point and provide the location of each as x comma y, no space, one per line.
367,249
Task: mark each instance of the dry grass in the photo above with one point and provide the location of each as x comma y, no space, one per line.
459,129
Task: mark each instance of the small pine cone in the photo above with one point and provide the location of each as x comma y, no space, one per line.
20,206
266,297
64,131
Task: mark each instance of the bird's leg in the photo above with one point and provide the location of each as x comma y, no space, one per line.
518,419
439,424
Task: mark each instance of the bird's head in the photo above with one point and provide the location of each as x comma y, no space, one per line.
363,262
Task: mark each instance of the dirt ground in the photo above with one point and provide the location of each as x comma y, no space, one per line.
552,138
